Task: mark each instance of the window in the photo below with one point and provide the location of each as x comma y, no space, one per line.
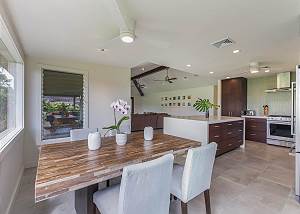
11,88
62,104
7,91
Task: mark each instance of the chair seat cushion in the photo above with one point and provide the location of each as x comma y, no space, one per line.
107,200
176,187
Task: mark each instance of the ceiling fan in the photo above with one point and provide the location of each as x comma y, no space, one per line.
167,78
127,28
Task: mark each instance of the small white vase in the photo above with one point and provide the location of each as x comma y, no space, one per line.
148,133
94,141
121,139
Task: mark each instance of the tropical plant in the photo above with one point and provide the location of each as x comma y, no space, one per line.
203,105
122,107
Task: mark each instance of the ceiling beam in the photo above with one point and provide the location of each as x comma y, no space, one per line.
147,73
138,87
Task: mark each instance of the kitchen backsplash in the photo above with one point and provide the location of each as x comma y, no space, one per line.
279,102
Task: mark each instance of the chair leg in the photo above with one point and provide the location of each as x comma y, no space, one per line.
184,209
207,201
107,183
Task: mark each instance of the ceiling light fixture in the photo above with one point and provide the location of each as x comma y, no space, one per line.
102,49
211,72
227,77
127,37
267,71
236,51
188,65
143,69
254,67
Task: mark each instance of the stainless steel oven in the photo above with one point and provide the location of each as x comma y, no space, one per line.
279,133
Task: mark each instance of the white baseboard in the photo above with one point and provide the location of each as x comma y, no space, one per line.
13,196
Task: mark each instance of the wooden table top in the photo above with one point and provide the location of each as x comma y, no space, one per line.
70,166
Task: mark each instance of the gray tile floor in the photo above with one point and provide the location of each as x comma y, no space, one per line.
258,180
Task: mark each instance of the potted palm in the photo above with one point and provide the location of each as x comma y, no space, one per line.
122,107
203,105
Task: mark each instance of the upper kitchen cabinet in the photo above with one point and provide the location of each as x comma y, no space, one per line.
234,96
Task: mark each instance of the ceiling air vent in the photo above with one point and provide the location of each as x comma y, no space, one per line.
223,42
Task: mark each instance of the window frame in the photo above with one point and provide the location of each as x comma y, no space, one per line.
8,136
85,100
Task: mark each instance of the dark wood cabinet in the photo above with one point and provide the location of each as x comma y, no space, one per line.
256,129
228,136
234,96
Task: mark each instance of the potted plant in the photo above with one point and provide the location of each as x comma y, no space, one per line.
122,107
203,105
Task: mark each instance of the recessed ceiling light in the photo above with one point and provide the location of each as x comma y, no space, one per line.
236,51
127,37
143,69
102,49
227,77
211,72
267,71
188,65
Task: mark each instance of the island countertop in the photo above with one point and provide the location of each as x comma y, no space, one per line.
210,120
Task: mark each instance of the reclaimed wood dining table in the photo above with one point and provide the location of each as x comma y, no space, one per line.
71,166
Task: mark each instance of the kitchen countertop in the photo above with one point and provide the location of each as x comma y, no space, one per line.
256,116
210,120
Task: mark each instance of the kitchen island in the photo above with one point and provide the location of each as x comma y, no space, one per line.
227,132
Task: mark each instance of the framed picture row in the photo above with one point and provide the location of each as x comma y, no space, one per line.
176,101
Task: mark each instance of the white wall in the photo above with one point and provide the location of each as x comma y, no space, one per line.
11,158
11,171
152,102
106,84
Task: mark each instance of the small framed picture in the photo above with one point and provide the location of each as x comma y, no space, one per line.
166,98
178,104
166,104
183,97
183,104
189,97
174,98
170,104
189,104
170,98
178,98
174,104
162,105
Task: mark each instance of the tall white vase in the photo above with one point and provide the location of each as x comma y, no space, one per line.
148,133
94,141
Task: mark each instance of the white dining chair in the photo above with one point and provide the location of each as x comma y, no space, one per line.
80,134
194,177
144,189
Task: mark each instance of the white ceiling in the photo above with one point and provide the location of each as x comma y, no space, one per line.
169,32
184,79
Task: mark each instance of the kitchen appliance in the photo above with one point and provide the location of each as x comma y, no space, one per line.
283,83
296,129
279,128
249,113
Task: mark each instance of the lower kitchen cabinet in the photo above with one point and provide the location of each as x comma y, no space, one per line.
228,136
256,129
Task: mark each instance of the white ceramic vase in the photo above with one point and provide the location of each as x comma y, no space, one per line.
148,133
94,141
121,139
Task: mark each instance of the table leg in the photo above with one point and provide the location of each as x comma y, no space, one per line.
84,200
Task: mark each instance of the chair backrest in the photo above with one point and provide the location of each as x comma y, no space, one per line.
145,187
198,170
80,134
